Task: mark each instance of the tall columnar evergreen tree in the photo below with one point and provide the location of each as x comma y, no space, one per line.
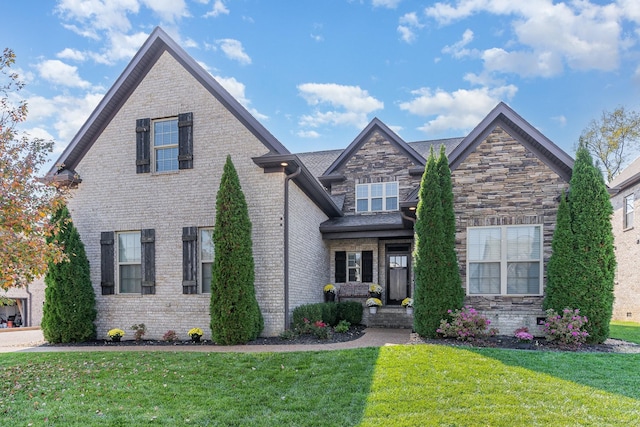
452,284
590,265
235,313
69,306
437,286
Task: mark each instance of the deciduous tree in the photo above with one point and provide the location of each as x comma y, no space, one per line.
235,313
612,138
25,201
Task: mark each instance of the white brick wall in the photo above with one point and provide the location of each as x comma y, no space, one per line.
627,249
112,197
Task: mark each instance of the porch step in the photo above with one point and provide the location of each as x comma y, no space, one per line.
388,317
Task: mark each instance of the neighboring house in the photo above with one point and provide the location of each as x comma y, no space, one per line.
24,306
146,167
625,194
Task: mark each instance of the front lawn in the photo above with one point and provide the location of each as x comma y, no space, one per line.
628,331
392,386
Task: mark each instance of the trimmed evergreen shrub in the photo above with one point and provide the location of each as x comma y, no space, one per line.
330,313
234,309
69,306
310,312
582,268
437,277
351,311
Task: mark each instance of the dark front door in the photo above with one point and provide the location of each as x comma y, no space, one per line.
398,267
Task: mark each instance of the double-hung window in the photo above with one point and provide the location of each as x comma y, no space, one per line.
353,266
375,197
354,263
129,262
628,211
165,144
206,258
504,260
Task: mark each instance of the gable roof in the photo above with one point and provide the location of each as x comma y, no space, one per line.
157,43
627,177
375,125
521,130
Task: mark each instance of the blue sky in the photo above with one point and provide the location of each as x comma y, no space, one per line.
315,72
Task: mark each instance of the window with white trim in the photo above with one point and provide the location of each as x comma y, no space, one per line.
129,263
628,211
505,260
354,262
375,197
206,258
165,144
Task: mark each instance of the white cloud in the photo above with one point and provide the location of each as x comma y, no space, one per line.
561,120
459,49
389,4
408,24
72,54
548,36
311,134
59,73
237,89
218,9
233,50
120,47
459,110
349,105
169,10
94,15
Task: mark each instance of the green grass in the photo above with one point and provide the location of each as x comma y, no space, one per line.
628,331
419,385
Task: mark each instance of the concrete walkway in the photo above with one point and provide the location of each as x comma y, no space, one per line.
31,340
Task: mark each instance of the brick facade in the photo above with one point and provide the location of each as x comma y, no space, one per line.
626,305
112,197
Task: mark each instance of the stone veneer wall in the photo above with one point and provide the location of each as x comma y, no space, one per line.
377,160
626,305
308,252
502,183
112,197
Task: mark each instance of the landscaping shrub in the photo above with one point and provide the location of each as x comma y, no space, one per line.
568,328
310,312
351,311
342,327
330,313
465,324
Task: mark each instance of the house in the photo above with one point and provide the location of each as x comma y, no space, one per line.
146,166
625,194
22,306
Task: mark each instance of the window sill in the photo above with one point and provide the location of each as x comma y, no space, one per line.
627,229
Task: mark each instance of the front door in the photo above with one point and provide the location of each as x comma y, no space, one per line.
398,284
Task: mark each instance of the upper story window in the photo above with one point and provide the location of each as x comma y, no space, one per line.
165,144
169,148
504,260
628,211
375,197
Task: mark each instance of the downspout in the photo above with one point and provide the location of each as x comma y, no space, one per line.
287,178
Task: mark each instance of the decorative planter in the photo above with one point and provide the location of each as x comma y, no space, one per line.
375,295
115,339
329,297
373,310
409,310
195,338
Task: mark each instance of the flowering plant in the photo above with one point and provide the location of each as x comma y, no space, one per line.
374,302
195,332
465,324
375,288
566,328
523,334
329,288
407,302
115,333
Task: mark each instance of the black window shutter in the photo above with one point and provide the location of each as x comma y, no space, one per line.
107,262
148,261
341,266
367,266
185,141
143,145
190,260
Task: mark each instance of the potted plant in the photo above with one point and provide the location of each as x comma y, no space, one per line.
195,334
373,304
115,334
329,293
408,304
375,291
